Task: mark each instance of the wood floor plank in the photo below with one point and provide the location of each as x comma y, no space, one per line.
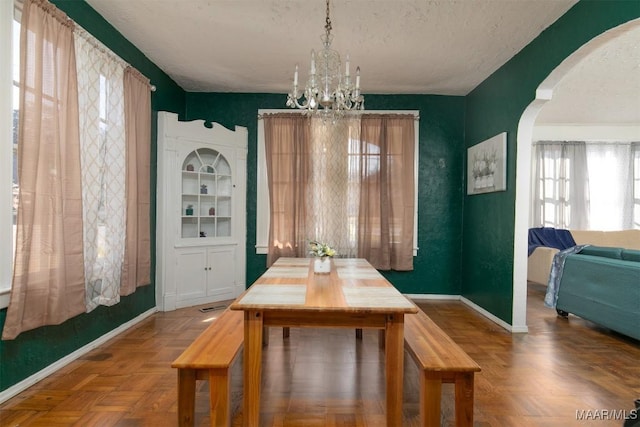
328,378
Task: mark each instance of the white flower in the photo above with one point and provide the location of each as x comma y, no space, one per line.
319,249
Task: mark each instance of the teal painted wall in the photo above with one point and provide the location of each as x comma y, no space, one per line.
495,106
437,265
34,350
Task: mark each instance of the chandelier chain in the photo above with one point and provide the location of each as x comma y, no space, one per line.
327,26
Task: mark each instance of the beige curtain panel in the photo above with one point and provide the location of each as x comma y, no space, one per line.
287,141
385,223
48,277
136,269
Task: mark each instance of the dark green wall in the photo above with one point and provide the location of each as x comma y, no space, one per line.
496,106
34,350
437,265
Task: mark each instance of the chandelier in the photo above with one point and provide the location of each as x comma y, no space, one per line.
327,91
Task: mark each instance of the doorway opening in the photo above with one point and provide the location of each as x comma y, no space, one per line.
526,125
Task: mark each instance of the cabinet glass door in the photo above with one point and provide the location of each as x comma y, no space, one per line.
206,195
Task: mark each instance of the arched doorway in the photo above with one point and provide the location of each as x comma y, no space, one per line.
544,93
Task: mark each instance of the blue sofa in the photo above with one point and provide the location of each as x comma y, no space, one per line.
602,284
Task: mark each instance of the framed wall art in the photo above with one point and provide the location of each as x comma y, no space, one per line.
487,165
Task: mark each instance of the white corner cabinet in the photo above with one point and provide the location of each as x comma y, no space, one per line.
201,212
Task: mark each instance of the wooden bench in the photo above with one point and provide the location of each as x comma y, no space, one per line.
441,360
210,357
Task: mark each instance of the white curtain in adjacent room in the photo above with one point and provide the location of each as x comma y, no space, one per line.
612,181
560,186
100,93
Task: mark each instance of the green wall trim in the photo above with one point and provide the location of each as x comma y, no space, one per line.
495,106
437,266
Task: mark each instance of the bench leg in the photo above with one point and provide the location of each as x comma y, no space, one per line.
464,399
186,397
358,333
381,338
430,397
285,332
220,397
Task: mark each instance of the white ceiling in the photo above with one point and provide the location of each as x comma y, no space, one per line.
402,46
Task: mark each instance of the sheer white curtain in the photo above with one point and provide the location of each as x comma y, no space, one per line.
560,186
333,202
100,96
613,176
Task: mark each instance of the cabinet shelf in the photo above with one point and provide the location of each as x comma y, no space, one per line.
212,171
206,216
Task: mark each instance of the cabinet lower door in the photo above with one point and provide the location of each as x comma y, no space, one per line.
191,275
221,273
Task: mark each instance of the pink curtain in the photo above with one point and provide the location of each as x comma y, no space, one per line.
48,279
385,223
136,269
287,141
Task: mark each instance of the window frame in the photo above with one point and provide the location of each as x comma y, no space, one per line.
262,189
7,10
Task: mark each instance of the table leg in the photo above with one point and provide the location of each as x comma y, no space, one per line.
252,367
394,368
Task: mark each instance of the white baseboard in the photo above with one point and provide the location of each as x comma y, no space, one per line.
513,329
495,319
433,296
28,382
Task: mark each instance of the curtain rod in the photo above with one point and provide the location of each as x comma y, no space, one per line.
91,39
415,115
78,29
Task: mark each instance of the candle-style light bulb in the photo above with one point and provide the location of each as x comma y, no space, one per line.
358,78
346,73
313,61
295,76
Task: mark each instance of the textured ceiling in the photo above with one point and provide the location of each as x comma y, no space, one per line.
402,46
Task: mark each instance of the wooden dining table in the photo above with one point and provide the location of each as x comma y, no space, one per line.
352,295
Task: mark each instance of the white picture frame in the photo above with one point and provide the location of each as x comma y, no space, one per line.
487,165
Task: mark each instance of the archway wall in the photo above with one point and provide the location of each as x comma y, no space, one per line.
496,106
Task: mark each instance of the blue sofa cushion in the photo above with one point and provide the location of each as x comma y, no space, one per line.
550,237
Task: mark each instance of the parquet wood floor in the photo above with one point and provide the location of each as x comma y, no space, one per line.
327,378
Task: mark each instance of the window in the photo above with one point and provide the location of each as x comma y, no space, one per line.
613,178
586,185
101,101
262,216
